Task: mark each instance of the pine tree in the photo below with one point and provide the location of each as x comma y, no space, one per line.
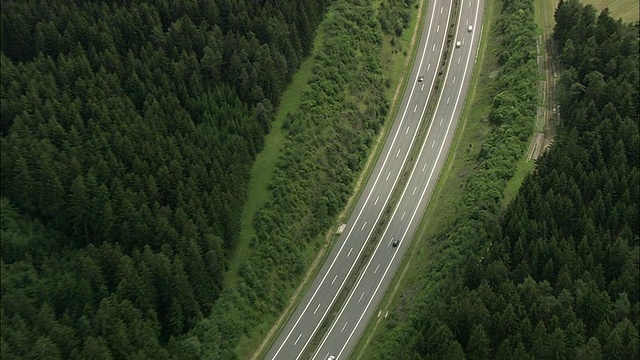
79,208
95,349
478,346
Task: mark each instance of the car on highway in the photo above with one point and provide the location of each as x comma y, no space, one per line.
420,78
470,28
395,242
458,44
331,357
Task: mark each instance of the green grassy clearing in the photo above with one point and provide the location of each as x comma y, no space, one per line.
440,213
544,14
627,10
523,168
264,166
258,194
265,163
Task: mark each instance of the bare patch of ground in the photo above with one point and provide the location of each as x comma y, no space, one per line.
548,113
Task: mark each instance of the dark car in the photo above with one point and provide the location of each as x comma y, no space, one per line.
395,242
420,78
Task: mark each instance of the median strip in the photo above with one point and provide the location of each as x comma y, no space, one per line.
405,173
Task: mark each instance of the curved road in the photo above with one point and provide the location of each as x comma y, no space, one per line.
316,303
362,302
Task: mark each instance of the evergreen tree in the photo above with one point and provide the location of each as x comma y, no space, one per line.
478,346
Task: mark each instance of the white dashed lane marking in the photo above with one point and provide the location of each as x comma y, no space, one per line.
345,325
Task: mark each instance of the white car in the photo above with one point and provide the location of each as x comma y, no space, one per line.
470,28
458,44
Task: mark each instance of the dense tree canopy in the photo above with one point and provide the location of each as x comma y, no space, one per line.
560,278
128,130
328,140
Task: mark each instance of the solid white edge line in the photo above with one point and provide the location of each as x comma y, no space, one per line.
377,246
380,214
400,201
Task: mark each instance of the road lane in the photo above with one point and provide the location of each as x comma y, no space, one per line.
383,263
316,303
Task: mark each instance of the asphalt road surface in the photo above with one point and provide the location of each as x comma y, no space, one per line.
362,302
314,306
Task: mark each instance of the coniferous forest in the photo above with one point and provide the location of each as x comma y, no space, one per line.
128,131
127,134
556,274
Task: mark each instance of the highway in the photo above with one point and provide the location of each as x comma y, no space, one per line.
361,305
316,303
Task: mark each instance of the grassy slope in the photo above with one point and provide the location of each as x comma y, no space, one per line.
264,166
625,9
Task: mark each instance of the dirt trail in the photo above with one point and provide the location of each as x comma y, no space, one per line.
548,114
